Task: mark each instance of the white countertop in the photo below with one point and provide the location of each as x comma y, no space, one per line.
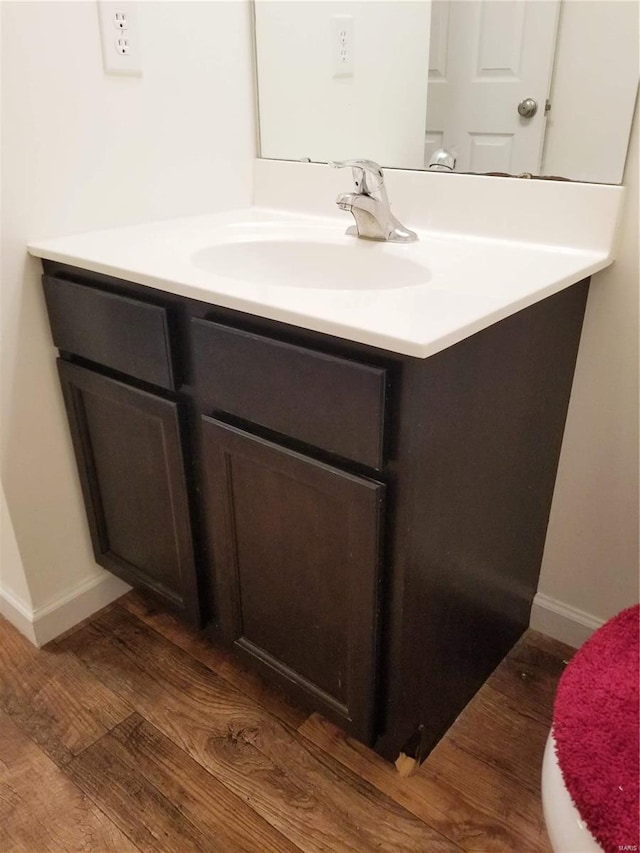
469,282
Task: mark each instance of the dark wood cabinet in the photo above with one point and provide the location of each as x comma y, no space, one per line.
128,449
112,330
367,527
297,546
332,403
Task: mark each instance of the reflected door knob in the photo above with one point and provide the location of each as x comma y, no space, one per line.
527,108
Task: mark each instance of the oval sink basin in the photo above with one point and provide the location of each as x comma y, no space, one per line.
357,265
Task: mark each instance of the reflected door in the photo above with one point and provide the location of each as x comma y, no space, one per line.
487,56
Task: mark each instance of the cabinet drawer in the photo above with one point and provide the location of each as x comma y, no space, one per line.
113,330
332,403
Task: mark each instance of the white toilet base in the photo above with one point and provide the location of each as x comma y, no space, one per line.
567,831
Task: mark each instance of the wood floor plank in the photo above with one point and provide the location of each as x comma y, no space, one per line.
490,722
78,625
312,800
53,697
41,810
479,788
217,659
529,675
562,651
484,787
157,794
485,822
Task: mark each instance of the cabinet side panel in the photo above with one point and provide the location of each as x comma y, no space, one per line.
479,442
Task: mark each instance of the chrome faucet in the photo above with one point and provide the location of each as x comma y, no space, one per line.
369,205
442,161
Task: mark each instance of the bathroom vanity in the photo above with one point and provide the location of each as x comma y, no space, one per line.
364,527
336,457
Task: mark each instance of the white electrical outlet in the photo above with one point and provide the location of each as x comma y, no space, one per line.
342,45
120,37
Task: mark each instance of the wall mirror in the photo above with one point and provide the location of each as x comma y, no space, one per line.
507,86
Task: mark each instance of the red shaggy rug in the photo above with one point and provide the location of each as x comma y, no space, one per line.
596,729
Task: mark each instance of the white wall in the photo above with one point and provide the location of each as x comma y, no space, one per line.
379,113
595,83
590,567
81,150
15,600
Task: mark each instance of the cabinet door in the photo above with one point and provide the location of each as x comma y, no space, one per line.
129,455
296,547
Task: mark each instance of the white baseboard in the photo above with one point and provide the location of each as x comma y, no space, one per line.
47,622
18,613
562,622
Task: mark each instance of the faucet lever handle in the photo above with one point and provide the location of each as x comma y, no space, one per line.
367,175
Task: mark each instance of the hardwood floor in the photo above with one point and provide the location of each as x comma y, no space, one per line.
132,732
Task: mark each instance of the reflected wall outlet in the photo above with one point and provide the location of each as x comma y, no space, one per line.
342,45
120,37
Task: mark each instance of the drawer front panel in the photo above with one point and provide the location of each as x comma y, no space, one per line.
325,401
113,330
